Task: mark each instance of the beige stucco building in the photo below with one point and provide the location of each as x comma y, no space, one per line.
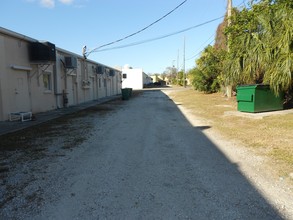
37,76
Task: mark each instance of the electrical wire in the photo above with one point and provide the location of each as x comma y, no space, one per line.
203,44
201,50
161,37
137,32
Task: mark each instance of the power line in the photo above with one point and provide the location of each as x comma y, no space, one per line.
158,38
163,36
203,44
137,32
201,50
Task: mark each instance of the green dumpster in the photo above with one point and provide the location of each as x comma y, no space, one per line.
125,93
130,92
258,98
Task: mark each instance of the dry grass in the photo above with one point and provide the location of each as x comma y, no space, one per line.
271,137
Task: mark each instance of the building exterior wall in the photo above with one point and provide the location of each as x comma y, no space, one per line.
134,78
147,79
155,78
22,82
27,86
117,80
14,88
42,96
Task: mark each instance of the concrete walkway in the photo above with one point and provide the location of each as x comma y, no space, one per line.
13,126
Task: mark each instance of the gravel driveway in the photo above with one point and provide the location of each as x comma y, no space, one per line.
135,159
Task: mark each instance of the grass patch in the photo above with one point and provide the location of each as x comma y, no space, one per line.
271,136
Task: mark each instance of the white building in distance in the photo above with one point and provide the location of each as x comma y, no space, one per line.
134,78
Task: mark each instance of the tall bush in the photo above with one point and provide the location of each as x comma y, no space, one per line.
205,76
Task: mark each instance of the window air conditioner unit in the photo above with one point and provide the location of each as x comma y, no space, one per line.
100,70
42,52
112,72
70,62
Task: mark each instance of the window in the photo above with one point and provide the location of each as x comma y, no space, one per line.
105,82
47,81
100,84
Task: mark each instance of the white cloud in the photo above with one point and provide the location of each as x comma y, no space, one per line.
67,2
48,3
51,3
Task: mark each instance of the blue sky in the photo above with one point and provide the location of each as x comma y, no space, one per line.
71,24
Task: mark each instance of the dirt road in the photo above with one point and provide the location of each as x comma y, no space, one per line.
137,159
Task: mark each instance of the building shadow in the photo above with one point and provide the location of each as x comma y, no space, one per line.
215,185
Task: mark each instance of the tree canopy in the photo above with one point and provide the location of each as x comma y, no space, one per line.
256,48
260,45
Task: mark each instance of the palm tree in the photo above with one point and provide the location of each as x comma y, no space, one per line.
261,45
279,41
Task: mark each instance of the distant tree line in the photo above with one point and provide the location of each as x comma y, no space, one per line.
174,76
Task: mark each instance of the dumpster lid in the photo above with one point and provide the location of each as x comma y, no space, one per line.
253,86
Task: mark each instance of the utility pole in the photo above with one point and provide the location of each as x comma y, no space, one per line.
177,60
229,13
184,75
177,67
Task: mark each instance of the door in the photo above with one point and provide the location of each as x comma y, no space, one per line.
20,92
